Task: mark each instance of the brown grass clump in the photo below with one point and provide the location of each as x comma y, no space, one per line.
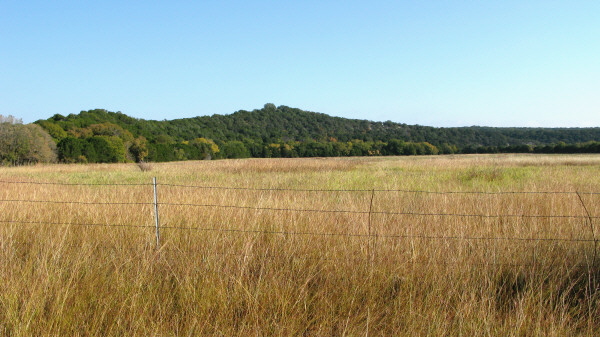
308,247
144,166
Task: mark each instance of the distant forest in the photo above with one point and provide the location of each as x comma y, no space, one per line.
271,132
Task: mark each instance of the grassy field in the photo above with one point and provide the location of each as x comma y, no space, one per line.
304,247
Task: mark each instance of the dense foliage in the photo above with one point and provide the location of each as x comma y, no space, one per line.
24,144
104,136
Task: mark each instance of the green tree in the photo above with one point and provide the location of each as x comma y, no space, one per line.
111,129
76,150
159,152
206,148
42,148
13,144
429,149
53,129
139,149
234,149
21,144
445,148
394,147
109,149
164,139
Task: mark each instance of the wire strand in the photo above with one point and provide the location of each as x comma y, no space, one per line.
296,189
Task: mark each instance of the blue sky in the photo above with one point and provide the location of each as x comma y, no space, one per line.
438,63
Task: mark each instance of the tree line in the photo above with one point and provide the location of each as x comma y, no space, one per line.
101,136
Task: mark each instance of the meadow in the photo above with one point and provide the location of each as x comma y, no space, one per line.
474,245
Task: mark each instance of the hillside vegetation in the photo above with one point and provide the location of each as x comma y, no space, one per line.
104,136
100,136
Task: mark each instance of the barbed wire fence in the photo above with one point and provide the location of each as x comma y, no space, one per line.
369,211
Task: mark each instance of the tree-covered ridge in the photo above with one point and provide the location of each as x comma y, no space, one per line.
274,124
286,132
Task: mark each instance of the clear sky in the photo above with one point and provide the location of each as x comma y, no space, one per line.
437,62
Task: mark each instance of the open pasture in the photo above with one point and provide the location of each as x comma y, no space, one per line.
495,245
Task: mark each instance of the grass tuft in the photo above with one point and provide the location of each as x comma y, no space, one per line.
144,166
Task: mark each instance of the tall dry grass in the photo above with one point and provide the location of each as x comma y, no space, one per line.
282,259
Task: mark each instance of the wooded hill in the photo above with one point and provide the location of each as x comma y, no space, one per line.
104,136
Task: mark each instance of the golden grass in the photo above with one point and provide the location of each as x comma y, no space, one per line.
274,259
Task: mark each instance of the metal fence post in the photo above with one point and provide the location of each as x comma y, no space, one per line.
156,219
371,241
